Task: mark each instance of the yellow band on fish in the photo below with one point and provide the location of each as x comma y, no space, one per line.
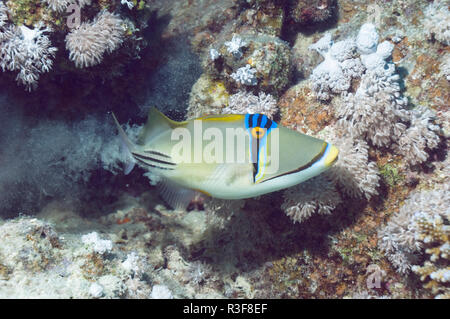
223,118
202,191
258,132
331,156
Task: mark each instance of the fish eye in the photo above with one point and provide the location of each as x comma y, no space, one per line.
258,132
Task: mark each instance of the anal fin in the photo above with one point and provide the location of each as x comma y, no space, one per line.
175,196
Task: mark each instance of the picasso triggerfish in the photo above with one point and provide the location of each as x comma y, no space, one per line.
229,156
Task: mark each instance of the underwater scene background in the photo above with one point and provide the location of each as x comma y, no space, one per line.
371,77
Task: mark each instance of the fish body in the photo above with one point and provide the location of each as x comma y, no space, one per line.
228,156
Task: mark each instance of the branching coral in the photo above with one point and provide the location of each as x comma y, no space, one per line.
3,15
377,112
245,102
434,232
354,174
437,21
61,5
335,73
128,3
245,75
445,66
317,195
420,136
422,221
367,39
234,46
90,41
26,51
57,5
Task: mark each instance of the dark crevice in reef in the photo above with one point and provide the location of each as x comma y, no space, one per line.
271,235
64,100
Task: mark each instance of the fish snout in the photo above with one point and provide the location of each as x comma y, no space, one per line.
332,156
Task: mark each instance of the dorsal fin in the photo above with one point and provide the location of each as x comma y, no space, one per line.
157,123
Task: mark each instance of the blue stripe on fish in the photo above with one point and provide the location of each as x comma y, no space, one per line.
257,144
259,120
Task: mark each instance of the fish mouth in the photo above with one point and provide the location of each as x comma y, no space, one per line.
332,156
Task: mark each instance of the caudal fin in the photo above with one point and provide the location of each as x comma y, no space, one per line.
127,148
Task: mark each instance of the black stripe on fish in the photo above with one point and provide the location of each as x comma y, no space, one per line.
259,120
250,120
151,165
268,124
152,159
157,153
301,168
256,165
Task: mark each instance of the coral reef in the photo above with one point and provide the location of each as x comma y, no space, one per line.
99,246
422,135
207,96
434,232
353,175
251,60
44,264
57,5
310,11
91,40
245,75
25,51
300,109
245,102
317,195
436,21
374,113
335,73
61,5
242,67
30,32
379,93
234,46
265,17
445,66
161,292
419,223
3,15
377,111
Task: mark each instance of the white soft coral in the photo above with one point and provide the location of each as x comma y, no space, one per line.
437,22
335,73
27,51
